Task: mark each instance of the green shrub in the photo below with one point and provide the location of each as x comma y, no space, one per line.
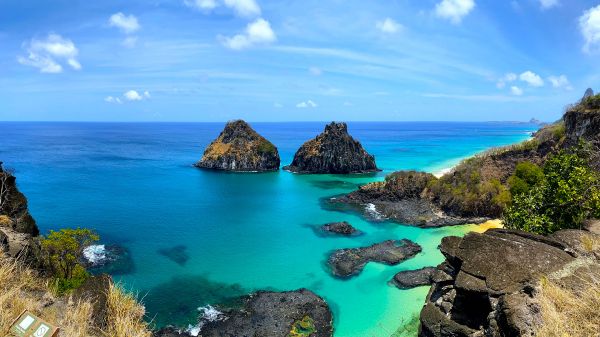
526,176
266,147
568,194
62,251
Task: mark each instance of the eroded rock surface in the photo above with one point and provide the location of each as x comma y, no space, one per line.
408,279
350,262
341,228
487,285
333,151
239,148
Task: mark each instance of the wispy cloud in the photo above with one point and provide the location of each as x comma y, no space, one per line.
454,10
516,90
307,104
49,54
246,8
257,32
388,26
560,82
547,4
126,23
589,25
532,79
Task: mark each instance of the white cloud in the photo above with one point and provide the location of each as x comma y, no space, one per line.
388,26
246,8
516,91
277,105
48,54
126,23
454,10
589,24
307,104
201,4
560,82
115,100
532,79
509,77
257,32
133,95
547,4
315,71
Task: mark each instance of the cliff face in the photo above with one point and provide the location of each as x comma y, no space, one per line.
14,213
333,151
240,148
489,283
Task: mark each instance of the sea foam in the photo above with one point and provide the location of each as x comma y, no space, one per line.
207,314
95,253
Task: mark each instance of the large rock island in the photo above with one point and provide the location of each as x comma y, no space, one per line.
333,151
240,149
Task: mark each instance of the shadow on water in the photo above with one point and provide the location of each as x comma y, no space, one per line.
177,254
176,301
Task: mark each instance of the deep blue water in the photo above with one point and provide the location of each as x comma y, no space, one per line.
134,183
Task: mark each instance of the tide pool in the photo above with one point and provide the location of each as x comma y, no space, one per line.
134,183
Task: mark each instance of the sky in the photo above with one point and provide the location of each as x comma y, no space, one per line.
296,60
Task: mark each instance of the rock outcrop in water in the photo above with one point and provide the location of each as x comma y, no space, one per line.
488,284
345,263
408,279
241,149
333,151
341,228
298,313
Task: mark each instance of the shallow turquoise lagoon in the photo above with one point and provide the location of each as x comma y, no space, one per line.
135,185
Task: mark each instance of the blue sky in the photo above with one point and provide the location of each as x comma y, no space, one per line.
292,60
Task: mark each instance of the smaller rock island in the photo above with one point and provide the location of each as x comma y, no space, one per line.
240,149
334,151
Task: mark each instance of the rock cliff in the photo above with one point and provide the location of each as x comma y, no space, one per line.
239,148
489,283
333,151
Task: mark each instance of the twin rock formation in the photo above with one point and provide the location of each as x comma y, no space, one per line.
241,149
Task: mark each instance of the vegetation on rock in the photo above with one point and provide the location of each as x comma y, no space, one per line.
303,328
62,251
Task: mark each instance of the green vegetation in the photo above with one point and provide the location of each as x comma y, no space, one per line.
303,328
566,195
591,103
62,251
266,147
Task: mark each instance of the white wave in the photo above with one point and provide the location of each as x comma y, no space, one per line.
209,313
95,253
194,330
372,211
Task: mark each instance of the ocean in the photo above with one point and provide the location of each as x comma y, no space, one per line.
198,238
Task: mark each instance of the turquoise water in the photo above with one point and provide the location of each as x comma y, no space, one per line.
135,185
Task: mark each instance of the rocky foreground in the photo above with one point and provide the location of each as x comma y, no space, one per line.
298,313
334,151
489,283
240,149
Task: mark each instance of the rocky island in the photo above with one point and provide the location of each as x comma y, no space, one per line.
240,149
345,263
334,151
340,228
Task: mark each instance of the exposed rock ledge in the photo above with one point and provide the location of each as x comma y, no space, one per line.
239,148
333,151
340,228
487,286
350,262
269,314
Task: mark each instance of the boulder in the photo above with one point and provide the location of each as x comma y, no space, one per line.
333,151
487,286
345,263
298,313
96,289
241,149
341,228
408,279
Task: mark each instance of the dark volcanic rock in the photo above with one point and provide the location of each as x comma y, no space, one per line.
177,254
333,151
239,148
95,290
342,228
350,262
275,314
588,93
408,279
487,286
13,205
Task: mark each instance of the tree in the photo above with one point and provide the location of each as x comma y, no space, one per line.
526,175
568,194
63,249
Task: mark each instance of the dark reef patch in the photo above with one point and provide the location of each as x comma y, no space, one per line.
176,301
177,254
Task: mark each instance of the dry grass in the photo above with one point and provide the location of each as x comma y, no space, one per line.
5,220
568,313
125,315
590,243
23,289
